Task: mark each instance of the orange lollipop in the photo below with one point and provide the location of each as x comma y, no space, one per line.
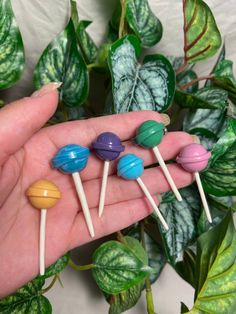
43,194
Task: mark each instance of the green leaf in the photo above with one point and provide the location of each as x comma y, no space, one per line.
117,268
87,45
57,267
62,62
136,247
27,299
224,78
12,59
206,98
182,218
220,177
156,256
219,208
135,86
187,267
221,57
216,269
146,26
188,76
202,37
124,301
225,69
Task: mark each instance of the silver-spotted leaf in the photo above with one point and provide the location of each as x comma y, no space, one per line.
187,77
12,59
117,268
182,218
62,62
216,268
143,21
136,86
27,299
87,45
156,256
206,98
219,179
57,267
125,300
202,37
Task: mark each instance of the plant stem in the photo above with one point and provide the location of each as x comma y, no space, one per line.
181,68
51,285
79,267
149,296
207,77
122,19
119,236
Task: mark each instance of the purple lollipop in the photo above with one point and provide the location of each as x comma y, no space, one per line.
107,147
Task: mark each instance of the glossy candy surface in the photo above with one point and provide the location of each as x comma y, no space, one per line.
150,134
43,194
130,167
71,158
193,158
108,146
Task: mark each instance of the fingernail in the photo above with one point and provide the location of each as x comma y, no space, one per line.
165,118
46,89
196,139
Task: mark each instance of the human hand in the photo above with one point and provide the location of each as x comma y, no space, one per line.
26,151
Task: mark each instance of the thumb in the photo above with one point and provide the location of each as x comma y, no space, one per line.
21,119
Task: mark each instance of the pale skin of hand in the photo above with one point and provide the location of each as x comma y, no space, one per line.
26,151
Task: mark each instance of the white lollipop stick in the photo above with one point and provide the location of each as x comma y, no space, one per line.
203,197
166,173
83,201
103,188
151,200
42,242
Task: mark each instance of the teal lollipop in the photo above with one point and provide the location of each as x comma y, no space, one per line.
150,134
130,167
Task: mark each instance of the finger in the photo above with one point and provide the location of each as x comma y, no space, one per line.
84,132
21,119
116,217
171,144
119,190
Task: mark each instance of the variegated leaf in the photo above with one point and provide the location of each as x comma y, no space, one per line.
62,62
136,86
182,218
144,22
216,270
12,59
202,37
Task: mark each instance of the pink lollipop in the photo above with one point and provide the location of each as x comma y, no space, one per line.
194,158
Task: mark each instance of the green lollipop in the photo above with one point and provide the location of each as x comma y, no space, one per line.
149,134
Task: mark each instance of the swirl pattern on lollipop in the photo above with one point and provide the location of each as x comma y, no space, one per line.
130,167
71,158
150,134
108,146
193,158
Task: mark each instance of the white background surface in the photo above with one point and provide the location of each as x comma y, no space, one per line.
40,21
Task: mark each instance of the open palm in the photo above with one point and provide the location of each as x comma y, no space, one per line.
26,151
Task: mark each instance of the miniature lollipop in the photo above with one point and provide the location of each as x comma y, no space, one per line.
149,135
108,147
130,167
43,195
194,158
71,159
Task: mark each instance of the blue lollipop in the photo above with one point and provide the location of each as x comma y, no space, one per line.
130,167
71,159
